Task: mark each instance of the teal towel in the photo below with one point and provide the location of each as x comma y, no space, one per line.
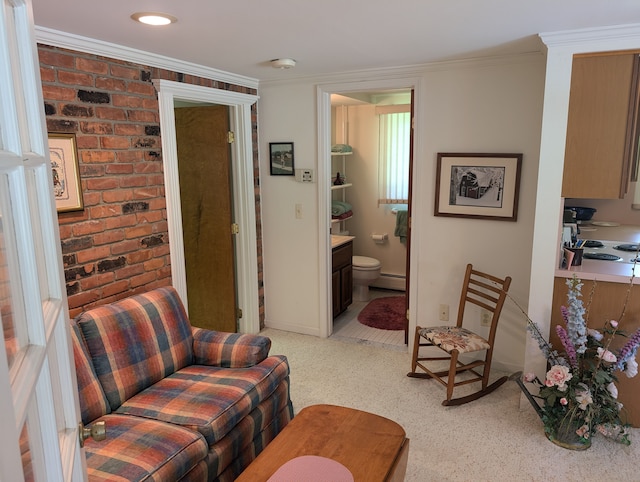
341,148
401,225
339,207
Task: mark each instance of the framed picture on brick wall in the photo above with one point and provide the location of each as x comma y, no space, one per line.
63,155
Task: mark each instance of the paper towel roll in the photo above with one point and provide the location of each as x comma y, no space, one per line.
379,238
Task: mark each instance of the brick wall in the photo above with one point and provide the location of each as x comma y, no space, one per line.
118,244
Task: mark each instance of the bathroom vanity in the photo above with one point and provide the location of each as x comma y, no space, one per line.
341,273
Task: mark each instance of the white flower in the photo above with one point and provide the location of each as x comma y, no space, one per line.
558,375
595,334
613,390
632,368
606,355
614,323
583,397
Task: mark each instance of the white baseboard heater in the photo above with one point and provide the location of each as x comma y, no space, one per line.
390,281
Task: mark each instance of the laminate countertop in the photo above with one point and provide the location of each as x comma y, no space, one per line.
612,271
339,240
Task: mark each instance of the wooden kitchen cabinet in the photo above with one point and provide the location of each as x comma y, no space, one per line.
342,278
601,145
608,300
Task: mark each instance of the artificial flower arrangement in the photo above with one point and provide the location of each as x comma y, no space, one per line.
579,393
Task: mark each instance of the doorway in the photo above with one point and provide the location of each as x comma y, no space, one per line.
373,127
325,176
204,167
170,95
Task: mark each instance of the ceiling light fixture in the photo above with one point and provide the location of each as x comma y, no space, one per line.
154,18
283,63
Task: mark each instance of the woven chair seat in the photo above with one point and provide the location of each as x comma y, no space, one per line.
451,338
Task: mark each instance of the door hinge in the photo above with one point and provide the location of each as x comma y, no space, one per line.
407,314
239,313
235,229
231,137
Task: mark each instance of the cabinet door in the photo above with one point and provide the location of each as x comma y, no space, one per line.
601,118
335,293
346,281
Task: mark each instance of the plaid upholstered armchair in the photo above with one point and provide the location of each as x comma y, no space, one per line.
179,402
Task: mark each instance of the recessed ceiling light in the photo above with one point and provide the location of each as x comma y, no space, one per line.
154,18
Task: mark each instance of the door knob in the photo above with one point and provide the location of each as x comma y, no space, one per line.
97,431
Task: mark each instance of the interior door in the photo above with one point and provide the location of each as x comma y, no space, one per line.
204,169
39,412
408,265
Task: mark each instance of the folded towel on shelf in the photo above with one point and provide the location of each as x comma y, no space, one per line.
345,215
341,148
339,207
401,225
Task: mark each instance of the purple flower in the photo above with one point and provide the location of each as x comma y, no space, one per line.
568,346
628,350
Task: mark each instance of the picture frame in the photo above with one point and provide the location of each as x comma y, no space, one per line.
478,186
63,155
281,158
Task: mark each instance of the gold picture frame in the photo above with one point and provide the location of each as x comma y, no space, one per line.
63,154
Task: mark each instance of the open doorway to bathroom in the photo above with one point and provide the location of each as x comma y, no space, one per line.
370,200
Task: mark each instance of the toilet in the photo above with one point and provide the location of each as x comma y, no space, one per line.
365,271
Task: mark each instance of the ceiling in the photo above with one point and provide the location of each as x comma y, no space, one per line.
330,36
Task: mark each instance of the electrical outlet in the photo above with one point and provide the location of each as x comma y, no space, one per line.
444,312
485,318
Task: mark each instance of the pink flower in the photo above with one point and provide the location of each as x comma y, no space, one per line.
558,375
529,377
583,431
564,401
614,323
606,355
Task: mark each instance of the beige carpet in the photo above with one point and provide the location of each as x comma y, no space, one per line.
490,439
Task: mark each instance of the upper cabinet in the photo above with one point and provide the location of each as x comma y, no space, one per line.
601,146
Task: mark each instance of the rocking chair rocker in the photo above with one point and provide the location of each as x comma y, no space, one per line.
487,292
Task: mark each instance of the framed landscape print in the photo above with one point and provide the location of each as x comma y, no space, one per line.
483,186
281,158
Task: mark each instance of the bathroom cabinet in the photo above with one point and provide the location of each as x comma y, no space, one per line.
601,145
342,278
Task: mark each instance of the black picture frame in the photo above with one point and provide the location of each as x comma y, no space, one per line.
281,159
480,186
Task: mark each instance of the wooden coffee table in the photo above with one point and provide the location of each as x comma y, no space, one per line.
373,448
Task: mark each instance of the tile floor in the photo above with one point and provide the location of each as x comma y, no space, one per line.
347,327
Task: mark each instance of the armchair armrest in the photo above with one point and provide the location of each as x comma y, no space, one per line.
228,350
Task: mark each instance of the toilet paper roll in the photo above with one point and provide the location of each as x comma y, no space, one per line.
379,238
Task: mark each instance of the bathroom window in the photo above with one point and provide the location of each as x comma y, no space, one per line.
393,154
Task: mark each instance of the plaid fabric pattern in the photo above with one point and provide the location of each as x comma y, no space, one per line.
137,341
93,402
253,433
228,350
208,399
137,449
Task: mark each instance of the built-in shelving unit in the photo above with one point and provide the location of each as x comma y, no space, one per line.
339,192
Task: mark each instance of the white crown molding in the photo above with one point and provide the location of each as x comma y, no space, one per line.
595,39
69,41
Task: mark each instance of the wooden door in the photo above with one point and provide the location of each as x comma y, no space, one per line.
204,169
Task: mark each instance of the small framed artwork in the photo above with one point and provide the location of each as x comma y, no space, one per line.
63,155
481,186
281,158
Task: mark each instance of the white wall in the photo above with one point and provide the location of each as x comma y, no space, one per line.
492,106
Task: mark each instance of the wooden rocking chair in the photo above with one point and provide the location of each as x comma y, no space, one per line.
488,292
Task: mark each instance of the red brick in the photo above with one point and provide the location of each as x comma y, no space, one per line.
93,254
160,227
154,264
133,156
119,169
106,83
54,92
142,279
128,130
88,227
133,181
124,247
143,88
47,74
138,231
159,203
96,281
92,66
74,78
145,193
125,72
149,217
164,272
96,127
110,210
82,299
97,156
142,116
121,221
91,198
124,100
87,142
113,142
129,271
139,256
56,59
102,184
148,167
108,237
117,195
115,288
110,113
162,250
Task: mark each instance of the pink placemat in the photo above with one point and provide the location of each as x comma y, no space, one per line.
312,468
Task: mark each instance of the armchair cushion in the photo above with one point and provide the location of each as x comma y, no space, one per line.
137,341
228,350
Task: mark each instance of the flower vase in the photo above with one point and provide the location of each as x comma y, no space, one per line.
566,437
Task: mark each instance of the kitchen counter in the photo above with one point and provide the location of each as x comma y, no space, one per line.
339,240
612,271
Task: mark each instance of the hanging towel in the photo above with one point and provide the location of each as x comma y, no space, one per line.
401,225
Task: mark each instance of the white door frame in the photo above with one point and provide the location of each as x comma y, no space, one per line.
323,100
243,190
